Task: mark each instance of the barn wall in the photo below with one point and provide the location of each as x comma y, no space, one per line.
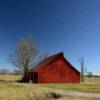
58,72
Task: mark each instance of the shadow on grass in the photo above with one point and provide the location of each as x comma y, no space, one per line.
23,80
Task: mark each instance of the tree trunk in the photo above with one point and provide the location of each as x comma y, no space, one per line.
25,76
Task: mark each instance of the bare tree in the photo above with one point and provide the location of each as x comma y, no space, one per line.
89,74
24,55
81,61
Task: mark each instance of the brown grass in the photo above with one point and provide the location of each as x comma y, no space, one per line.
10,90
90,85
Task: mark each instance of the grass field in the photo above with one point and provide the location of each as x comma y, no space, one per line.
92,88
11,90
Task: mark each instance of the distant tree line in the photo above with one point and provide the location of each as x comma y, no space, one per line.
5,71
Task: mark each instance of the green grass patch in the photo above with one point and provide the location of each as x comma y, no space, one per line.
94,88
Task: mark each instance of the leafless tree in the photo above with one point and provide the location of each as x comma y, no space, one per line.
24,55
81,61
89,74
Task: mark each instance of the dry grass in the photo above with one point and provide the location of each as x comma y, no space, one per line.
90,85
10,90
77,98
9,78
92,80
13,91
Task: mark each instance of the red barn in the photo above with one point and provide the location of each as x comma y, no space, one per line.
54,69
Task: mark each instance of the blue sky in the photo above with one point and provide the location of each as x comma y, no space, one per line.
71,26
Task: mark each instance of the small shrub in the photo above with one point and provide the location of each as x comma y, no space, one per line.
48,96
55,95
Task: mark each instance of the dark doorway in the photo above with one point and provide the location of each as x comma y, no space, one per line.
35,77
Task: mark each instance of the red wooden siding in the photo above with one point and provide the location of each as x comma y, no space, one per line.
59,70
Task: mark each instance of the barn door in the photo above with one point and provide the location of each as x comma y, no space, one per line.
31,77
35,77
